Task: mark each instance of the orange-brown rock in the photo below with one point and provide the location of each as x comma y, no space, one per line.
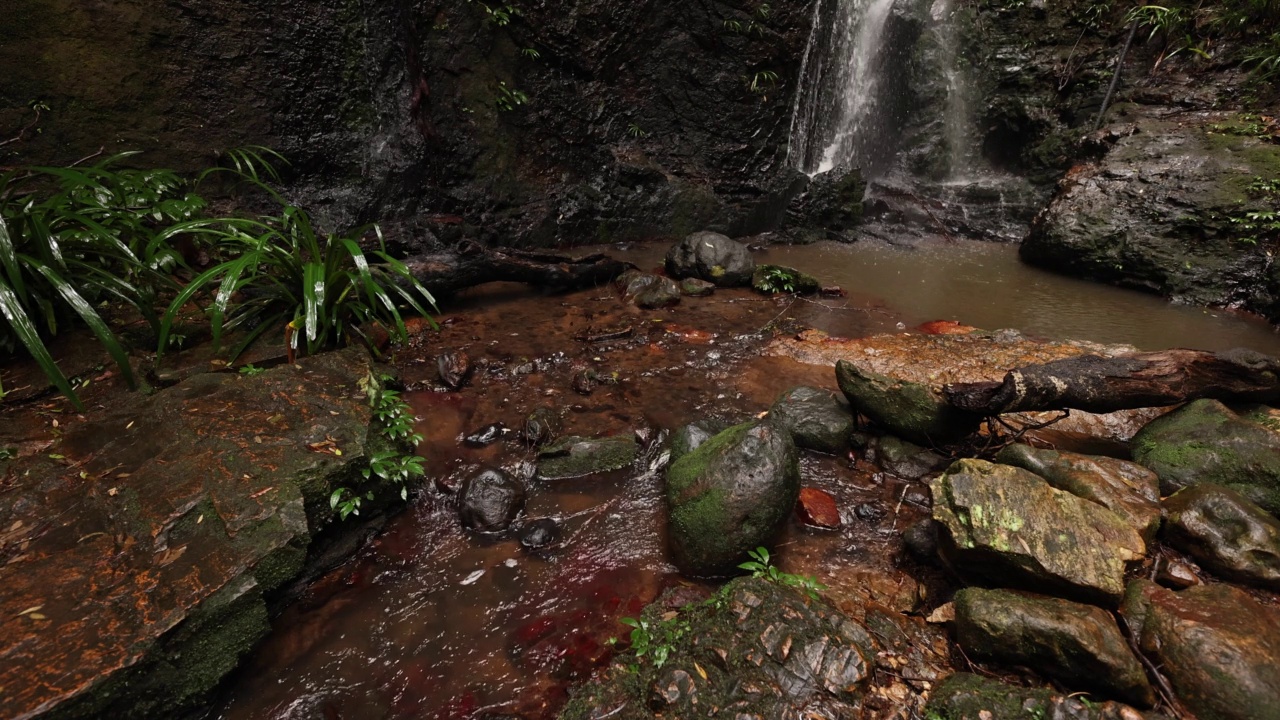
818,508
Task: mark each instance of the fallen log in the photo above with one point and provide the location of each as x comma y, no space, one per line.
1104,384
470,264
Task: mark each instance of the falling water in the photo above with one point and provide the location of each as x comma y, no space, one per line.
840,86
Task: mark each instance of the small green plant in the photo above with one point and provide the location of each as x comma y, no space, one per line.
636,131
499,15
251,370
509,98
8,453
530,53
393,420
762,81
778,280
656,641
761,566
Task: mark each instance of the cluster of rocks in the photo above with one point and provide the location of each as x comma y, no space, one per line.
704,261
1050,548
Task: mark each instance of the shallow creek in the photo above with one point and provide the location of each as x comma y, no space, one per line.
432,622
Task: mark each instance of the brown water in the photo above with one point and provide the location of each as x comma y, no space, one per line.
431,621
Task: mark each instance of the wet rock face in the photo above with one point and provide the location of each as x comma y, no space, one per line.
1204,441
405,97
729,496
1005,525
914,411
1107,223
756,646
1226,533
817,419
1217,646
194,503
712,257
1125,488
1078,645
491,501
964,696
574,456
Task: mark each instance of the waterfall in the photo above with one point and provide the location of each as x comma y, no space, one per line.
834,121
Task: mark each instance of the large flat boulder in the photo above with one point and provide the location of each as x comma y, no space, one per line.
938,360
1226,533
139,549
1007,526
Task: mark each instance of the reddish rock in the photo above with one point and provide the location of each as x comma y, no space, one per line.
945,327
818,508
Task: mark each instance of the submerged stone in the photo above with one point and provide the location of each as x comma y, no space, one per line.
914,411
817,419
662,292
729,496
1215,644
1125,488
904,459
818,508
1226,533
575,456
695,287
1007,526
541,426
539,533
1078,645
491,501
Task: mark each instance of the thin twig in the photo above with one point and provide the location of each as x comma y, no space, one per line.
24,130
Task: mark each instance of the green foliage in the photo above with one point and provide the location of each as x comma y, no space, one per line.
761,566
251,370
762,81
530,53
636,131
778,280
74,238
509,98
278,269
393,421
499,15
1197,28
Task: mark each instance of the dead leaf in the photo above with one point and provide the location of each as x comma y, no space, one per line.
261,492
37,616
701,672
943,614
113,492
33,608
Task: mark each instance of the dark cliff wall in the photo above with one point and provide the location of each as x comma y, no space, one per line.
538,122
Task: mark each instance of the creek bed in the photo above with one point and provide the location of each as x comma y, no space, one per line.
432,621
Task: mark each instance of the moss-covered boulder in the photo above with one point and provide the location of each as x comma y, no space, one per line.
1125,488
965,696
1078,645
1226,533
1166,211
729,496
575,456
914,411
770,279
754,649
817,419
712,257
1216,645
1006,526
1204,441
687,438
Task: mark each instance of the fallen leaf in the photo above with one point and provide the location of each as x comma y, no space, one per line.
113,492
37,616
33,608
701,672
262,492
131,422
943,614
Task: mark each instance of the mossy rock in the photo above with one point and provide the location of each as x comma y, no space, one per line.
729,496
1205,442
772,279
966,696
575,456
914,411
